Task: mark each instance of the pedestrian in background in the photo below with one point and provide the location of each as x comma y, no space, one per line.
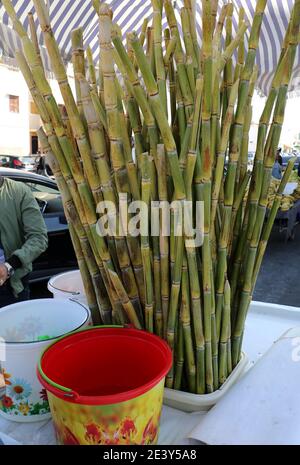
23,238
277,168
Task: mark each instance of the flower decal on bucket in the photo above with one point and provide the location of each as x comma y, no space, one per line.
132,422
16,402
44,395
69,439
7,402
24,408
127,429
19,389
150,433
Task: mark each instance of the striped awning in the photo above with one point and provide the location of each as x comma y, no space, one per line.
9,42
67,15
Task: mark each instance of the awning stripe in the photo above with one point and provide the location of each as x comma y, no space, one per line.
67,15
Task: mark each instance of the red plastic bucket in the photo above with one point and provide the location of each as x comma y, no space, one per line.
105,385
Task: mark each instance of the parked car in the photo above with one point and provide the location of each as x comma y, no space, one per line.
60,256
19,163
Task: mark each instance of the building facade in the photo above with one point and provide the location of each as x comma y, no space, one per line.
19,119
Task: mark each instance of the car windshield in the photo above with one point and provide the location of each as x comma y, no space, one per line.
27,159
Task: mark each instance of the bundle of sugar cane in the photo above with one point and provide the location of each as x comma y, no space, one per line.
165,120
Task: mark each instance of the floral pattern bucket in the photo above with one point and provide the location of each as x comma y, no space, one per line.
26,329
105,386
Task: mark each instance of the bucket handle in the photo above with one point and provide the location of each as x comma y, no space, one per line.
75,293
67,392
57,388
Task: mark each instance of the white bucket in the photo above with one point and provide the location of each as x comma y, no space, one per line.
68,286
26,329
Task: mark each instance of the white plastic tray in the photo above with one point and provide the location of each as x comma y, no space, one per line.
202,402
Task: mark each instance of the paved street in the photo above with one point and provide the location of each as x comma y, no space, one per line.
279,279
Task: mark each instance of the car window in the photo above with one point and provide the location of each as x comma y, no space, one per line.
27,160
37,187
4,161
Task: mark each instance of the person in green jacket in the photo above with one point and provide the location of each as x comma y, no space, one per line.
23,238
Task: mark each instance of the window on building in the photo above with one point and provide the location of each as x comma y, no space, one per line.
34,144
13,104
33,108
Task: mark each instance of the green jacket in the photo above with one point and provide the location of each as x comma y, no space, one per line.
22,228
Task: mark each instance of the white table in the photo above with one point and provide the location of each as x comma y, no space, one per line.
265,324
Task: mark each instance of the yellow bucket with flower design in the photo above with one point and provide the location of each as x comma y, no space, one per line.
105,386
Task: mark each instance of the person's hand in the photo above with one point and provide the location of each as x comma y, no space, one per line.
3,274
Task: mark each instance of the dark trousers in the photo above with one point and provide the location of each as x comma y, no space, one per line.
7,296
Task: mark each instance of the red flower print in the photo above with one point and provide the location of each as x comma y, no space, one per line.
150,433
94,435
44,395
7,402
127,428
69,439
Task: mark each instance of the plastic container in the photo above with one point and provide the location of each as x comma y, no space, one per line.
68,286
188,402
105,385
27,329
263,408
